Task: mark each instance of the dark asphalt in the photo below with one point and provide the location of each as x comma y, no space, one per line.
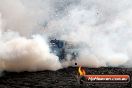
63,78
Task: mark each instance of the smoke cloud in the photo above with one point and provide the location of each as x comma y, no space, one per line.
102,30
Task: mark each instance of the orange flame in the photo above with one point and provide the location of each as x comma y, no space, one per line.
81,71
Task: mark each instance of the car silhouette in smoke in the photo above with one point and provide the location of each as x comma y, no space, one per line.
63,49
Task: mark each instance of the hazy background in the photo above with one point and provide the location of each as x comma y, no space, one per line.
102,29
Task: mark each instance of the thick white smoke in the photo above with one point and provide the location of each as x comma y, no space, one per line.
101,29
19,53
104,28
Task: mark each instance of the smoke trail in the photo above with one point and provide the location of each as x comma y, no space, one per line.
101,30
18,53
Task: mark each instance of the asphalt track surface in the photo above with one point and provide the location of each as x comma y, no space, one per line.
63,78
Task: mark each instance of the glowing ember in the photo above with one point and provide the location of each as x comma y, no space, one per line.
81,71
